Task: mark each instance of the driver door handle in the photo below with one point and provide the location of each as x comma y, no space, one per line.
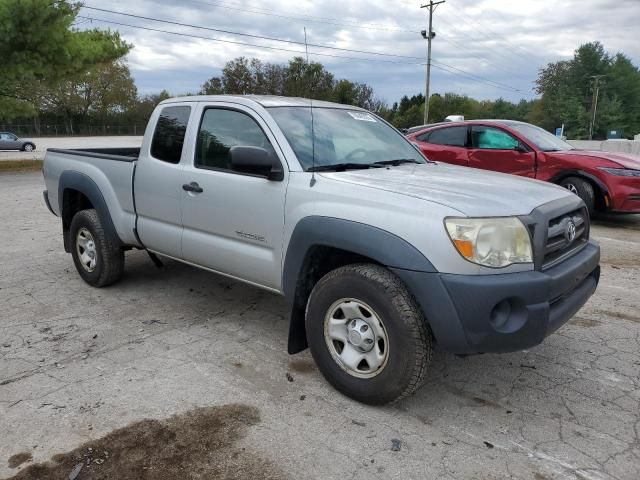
192,187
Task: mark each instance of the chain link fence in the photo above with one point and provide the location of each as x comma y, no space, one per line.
44,130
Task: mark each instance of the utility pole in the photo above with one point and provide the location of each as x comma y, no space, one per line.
429,36
594,102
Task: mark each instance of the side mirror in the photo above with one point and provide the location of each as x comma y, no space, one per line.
255,161
521,148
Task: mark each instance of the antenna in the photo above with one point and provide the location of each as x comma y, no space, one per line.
313,134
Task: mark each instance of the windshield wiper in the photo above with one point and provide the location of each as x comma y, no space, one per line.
341,167
397,161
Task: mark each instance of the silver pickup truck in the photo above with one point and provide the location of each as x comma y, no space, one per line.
381,253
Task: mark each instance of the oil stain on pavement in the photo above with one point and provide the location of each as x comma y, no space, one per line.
201,443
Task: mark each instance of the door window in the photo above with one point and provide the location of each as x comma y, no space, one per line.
454,136
168,139
222,129
424,137
489,138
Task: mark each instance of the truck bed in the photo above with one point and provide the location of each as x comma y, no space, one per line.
111,170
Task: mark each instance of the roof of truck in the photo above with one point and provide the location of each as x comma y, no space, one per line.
263,100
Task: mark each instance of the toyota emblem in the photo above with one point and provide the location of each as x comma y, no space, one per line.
570,232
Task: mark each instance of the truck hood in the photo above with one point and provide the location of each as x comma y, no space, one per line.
626,160
471,191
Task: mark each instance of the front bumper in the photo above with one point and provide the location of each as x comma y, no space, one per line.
504,312
625,194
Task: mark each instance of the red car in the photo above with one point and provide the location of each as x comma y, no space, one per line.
605,181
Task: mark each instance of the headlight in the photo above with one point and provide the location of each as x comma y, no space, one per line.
621,172
492,242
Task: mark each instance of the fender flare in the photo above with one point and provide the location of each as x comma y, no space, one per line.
70,179
355,237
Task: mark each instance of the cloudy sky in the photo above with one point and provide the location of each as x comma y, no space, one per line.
483,48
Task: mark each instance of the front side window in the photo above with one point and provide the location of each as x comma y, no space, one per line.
222,129
424,137
168,138
453,136
489,138
341,136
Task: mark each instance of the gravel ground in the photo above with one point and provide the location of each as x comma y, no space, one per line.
70,142
184,365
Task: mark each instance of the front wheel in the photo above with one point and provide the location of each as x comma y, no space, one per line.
98,261
583,189
28,147
367,335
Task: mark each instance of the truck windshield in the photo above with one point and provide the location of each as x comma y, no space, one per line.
342,137
544,140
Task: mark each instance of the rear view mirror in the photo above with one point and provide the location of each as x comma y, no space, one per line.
255,161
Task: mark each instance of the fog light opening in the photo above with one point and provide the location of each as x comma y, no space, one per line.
509,315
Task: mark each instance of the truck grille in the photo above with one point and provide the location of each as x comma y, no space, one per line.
566,234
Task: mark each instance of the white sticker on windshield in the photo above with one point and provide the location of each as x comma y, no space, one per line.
362,116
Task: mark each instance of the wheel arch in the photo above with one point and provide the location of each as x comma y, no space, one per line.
600,188
321,244
77,191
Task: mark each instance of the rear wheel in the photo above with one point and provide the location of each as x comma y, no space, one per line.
367,334
98,261
583,189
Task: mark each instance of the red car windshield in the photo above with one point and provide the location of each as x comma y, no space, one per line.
544,140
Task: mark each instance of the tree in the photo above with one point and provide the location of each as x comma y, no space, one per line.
296,79
567,93
97,93
39,49
37,43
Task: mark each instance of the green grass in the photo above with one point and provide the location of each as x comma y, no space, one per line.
20,165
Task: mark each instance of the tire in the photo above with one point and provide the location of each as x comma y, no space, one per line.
98,261
402,338
583,189
28,147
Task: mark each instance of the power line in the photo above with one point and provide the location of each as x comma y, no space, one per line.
477,22
250,35
334,21
482,57
439,65
306,18
246,44
309,17
471,75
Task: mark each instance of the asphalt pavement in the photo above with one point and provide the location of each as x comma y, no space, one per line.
177,368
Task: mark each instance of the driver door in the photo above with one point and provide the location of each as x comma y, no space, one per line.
497,150
233,224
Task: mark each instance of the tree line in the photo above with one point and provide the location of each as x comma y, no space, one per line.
55,74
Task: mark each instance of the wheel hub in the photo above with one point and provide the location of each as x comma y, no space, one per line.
360,335
86,249
356,338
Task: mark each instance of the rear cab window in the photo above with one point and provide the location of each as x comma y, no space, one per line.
452,136
168,138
